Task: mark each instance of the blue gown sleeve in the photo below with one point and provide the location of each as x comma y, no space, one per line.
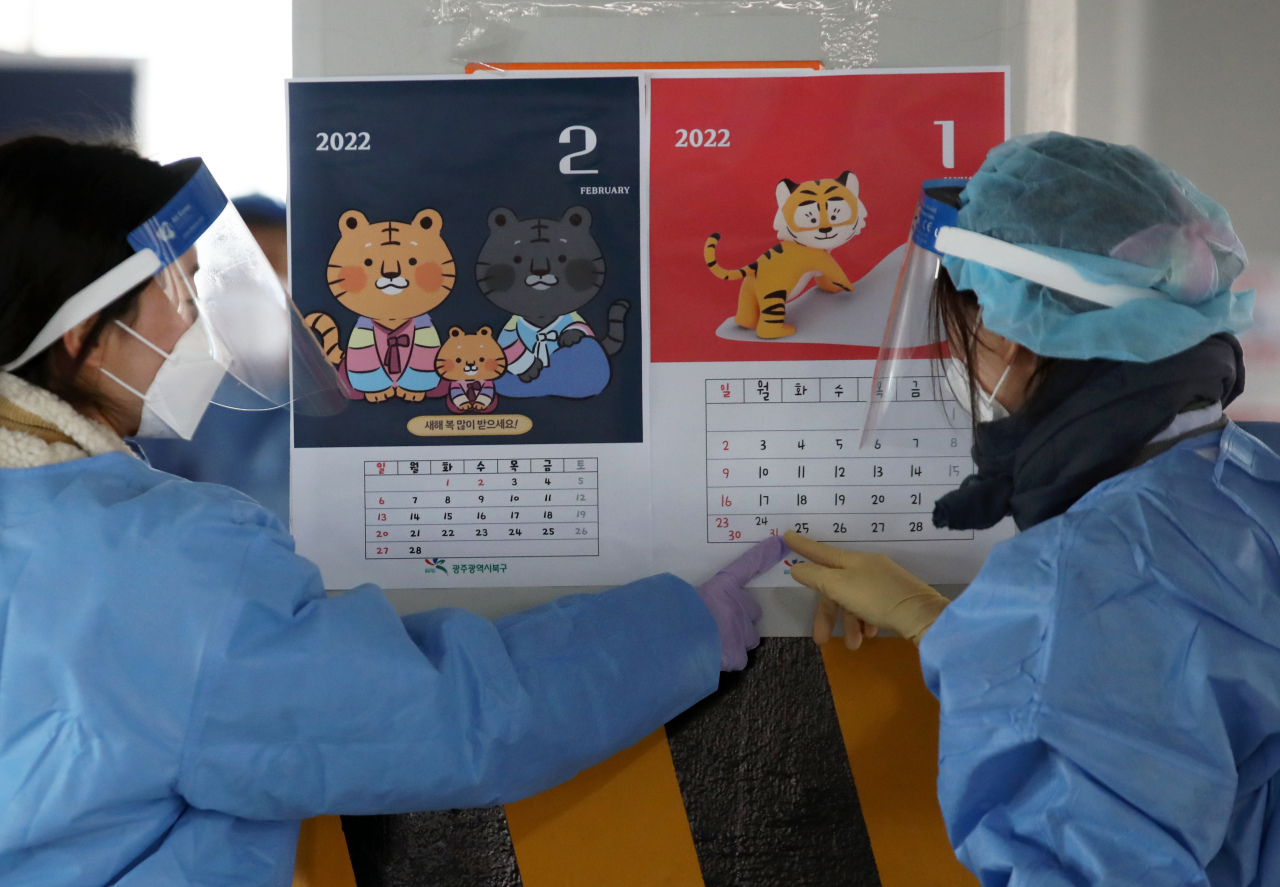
311,704
1080,740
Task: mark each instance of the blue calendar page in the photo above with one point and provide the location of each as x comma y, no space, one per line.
443,224
467,252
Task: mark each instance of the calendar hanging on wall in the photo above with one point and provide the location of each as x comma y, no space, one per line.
468,251
780,208
592,325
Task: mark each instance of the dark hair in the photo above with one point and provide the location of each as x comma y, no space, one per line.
953,318
66,209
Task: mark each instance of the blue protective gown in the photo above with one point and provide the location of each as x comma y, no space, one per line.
1110,683
244,449
176,690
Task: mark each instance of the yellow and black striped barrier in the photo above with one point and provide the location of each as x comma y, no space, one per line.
814,766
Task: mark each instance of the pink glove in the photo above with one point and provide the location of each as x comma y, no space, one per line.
735,610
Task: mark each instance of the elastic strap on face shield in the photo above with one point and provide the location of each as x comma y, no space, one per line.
89,301
1037,268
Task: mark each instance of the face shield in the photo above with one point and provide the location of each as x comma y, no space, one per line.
906,362
244,346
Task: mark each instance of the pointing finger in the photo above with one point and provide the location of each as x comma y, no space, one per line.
760,557
818,552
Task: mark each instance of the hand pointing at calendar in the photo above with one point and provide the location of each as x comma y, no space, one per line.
735,610
873,590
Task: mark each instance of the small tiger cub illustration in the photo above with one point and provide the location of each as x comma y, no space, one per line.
813,218
390,274
470,363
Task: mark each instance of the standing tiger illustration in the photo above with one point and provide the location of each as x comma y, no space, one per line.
391,274
813,218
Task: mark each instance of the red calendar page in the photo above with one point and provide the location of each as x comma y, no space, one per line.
780,206
719,148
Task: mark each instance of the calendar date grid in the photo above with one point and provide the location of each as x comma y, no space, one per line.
768,472
481,508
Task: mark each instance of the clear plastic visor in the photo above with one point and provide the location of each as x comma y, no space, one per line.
908,367
224,280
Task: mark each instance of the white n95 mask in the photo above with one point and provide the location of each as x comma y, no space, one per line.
185,385
989,409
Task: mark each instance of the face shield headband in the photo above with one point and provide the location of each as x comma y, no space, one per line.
1037,267
158,242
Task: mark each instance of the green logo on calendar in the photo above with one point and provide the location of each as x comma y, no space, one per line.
436,564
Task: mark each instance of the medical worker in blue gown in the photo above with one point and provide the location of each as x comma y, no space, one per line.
176,690
1110,682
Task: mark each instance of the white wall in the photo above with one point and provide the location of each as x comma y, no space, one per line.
398,36
1196,83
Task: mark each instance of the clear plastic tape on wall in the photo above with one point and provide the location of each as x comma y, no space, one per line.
847,28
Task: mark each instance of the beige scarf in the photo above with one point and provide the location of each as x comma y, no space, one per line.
37,428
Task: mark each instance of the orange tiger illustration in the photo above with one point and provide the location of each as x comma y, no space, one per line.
470,363
391,274
813,218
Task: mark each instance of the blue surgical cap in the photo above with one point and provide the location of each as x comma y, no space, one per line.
259,209
1116,216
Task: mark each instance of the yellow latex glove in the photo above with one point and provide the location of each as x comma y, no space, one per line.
873,590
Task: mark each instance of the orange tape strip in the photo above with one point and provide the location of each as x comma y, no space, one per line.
322,859
473,67
621,823
890,725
